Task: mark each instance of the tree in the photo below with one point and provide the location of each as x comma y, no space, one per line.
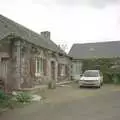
64,47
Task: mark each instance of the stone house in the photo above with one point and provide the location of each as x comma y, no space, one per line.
93,51
28,59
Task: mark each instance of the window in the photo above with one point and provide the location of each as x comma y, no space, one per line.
45,66
66,70
39,65
91,74
76,67
61,69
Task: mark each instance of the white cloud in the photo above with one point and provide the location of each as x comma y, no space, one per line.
68,24
93,3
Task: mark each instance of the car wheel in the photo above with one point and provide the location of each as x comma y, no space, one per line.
99,86
81,86
102,84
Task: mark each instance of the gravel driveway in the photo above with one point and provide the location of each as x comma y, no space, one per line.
73,92
71,102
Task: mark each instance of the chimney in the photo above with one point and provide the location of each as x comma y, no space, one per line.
45,35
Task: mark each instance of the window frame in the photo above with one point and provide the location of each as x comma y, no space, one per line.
39,66
61,69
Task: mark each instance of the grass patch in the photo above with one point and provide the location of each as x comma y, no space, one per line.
14,101
23,97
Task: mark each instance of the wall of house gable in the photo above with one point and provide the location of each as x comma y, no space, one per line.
8,63
4,55
76,69
5,45
17,65
64,64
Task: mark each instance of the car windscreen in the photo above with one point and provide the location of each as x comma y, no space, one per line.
91,74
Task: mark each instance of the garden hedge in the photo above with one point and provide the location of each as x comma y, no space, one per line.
105,66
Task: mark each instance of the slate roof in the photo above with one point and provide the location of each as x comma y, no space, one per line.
95,50
8,26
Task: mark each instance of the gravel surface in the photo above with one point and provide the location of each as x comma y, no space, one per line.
72,103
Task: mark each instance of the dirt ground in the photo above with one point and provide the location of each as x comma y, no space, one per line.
73,92
72,103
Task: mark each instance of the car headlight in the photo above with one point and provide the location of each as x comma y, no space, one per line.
97,81
81,80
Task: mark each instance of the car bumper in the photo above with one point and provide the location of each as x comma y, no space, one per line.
89,84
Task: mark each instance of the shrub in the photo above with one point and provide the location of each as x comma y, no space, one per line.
106,67
116,78
107,77
23,97
5,100
3,96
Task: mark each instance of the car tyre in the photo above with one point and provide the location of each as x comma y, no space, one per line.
99,86
102,84
80,86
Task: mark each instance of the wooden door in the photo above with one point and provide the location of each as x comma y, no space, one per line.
3,74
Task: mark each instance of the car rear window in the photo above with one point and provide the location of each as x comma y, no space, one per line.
91,74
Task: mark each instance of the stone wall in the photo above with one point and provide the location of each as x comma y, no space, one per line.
8,58
21,62
29,53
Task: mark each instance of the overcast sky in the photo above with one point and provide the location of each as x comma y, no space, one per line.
69,21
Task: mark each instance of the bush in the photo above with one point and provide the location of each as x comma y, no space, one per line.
23,97
116,78
106,67
4,100
10,102
3,96
6,103
107,77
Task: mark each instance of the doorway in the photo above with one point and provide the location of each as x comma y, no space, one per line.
3,73
52,70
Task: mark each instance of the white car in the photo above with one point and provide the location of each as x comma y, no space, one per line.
91,78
